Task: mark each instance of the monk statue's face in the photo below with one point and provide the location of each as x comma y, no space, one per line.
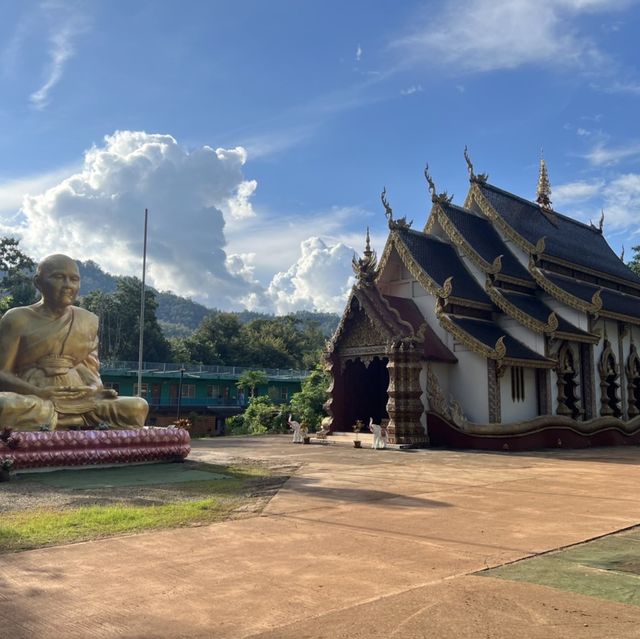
58,280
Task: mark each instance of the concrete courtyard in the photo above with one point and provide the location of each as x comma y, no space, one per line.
358,543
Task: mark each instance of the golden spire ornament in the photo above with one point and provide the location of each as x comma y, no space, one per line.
543,194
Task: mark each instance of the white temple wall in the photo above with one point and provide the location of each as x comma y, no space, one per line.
520,255
573,316
516,411
535,341
398,289
426,304
469,384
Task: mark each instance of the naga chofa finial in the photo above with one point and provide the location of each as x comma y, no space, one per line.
481,177
601,222
442,198
401,222
622,254
365,268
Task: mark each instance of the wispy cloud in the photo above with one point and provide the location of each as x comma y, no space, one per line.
601,155
65,25
358,53
414,88
486,35
578,191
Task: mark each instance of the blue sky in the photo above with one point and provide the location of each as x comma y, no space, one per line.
260,134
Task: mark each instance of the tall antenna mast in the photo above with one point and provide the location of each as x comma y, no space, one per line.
142,300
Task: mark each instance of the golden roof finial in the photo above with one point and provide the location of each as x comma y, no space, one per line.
365,268
544,187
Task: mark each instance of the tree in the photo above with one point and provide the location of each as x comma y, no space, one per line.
16,273
308,404
119,315
634,264
251,380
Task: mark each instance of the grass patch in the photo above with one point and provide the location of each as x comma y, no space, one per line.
182,504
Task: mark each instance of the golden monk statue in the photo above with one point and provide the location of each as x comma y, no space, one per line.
49,368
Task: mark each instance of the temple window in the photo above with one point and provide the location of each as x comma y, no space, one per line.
517,383
568,386
609,382
633,382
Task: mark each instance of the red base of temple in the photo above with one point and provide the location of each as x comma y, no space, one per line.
442,433
89,447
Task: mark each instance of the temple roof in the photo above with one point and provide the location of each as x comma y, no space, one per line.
434,348
476,332
613,302
480,235
440,261
566,239
539,311
396,319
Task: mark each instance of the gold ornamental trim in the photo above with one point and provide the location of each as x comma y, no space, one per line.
497,353
477,195
590,271
428,283
519,315
560,294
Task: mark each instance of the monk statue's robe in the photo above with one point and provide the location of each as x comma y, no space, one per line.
63,352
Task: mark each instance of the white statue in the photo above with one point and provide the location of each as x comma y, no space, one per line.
297,430
380,436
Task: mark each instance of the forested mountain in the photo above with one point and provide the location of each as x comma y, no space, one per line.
180,316
182,330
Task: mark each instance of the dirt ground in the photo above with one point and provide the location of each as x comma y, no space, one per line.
357,543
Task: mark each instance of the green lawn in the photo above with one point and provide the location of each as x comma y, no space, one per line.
192,502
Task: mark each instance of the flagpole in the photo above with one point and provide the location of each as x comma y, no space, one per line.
142,300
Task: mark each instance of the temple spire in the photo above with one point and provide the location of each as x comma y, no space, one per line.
365,268
367,248
543,194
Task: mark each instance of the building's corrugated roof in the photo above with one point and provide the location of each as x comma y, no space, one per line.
536,308
439,260
484,239
488,334
612,301
567,239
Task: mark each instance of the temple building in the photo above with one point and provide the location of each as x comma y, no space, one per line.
503,324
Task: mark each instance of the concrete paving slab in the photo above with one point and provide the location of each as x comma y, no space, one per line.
357,544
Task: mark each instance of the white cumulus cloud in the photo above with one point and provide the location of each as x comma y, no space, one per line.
319,280
97,213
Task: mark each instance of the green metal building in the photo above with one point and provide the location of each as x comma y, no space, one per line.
206,394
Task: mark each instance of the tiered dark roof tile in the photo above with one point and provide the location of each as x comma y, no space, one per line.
536,308
565,238
488,334
484,239
439,260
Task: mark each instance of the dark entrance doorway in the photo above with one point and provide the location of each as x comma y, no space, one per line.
365,391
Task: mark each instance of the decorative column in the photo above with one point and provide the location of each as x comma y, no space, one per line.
493,383
404,406
588,381
335,403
